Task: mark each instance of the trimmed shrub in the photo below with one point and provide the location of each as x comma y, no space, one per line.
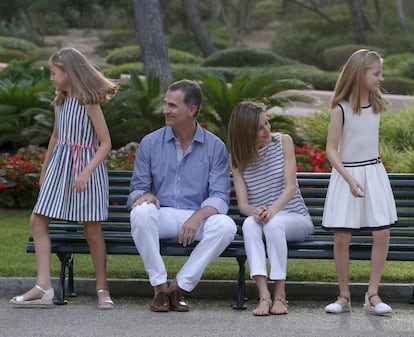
124,55
21,45
130,54
116,39
181,57
242,57
26,68
8,55
407,68
393,62
118,70
336,57
398,85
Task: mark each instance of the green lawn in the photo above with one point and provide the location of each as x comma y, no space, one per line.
14,261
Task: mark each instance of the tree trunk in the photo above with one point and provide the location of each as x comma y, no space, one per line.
358,21
401,17
154,50
201,35
380,18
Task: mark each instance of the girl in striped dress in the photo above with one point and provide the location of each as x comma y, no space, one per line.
264,175
74,179
359,194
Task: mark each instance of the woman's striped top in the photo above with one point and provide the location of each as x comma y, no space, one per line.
264,178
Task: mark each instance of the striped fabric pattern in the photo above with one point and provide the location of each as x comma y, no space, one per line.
77,143
264,179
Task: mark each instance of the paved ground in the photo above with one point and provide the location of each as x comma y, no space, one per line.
132,316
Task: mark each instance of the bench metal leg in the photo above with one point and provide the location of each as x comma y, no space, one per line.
412,298
241,284
64,261
71,284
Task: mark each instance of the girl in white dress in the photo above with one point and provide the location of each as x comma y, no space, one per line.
359,194
74,179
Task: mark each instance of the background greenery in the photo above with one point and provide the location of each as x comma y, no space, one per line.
14,233
307,50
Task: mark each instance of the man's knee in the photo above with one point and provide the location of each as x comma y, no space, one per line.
226,226
143,216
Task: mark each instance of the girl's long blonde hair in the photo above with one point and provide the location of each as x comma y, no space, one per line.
348,85
89,85
242,133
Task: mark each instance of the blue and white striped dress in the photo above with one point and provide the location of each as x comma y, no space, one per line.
76,145
265,179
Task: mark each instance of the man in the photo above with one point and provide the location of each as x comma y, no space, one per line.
180,188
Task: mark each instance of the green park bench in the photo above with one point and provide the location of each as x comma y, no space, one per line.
68,238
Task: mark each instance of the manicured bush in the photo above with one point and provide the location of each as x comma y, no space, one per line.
394,61
406,69
306,47
319,79
181,57
128,54
392,43
398,85
27,68
335,57
116,39
244,57
7,55
21,45
118,70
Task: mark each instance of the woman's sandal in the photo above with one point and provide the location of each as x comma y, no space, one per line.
106,302
273,310
268,302
46,301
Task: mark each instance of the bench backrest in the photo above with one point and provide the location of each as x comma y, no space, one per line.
313,187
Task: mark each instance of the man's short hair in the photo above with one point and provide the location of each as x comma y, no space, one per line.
192,93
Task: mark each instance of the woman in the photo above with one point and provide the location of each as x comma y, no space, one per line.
264,172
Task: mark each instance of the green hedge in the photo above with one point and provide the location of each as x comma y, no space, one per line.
335,57
398,85
244,57
130,54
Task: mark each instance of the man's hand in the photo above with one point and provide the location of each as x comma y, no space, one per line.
189,231
148,198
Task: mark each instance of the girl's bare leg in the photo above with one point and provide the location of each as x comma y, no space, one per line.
39,227
341,253
379,253
97,247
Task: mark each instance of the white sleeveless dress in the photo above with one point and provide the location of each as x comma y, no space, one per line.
77,143
359,151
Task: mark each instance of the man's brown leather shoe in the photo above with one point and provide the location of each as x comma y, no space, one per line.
161,302
177,302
